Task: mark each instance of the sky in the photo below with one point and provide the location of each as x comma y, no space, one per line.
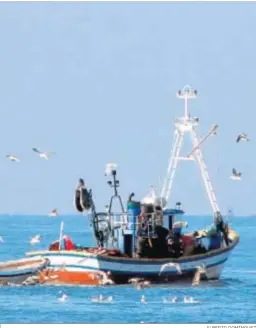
97,82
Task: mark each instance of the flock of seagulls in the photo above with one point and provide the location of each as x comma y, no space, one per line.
186,299
235,174
44,155
139,283
109,299
213,131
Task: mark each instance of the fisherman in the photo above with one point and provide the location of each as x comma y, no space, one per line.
142,232
221,226
160,233
175,244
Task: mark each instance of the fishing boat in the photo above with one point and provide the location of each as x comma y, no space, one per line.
147,239
18,271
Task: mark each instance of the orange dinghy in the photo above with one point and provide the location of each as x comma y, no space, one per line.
50,276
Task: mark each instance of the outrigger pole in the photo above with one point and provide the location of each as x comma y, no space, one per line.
187,124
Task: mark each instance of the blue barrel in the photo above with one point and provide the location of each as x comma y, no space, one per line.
133,211
215,241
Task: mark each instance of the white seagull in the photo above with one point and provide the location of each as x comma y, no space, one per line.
102,299
197,277
54,213
13,158
63,298
173,300
103,277
42,154
189,299
236,175
135,280
139,282
167,265
243,136
143,299
35,240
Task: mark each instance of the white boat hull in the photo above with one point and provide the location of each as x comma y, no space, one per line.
18,271
75,266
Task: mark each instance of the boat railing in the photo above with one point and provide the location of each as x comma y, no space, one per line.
130,223
115,225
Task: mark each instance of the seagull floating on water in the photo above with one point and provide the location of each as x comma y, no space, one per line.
242,136
42,154
143,299
236,175
102,299
139,282
135,280
143,284
173,300
167,265
63,298
13,158
35,240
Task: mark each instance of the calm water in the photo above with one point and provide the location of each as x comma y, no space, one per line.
232,299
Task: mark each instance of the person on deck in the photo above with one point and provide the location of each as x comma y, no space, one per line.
221,227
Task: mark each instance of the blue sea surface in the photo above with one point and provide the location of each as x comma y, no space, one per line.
232,299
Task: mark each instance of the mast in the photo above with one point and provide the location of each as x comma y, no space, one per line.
110,170
183,125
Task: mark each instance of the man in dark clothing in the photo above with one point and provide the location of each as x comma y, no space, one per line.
221,227
175,245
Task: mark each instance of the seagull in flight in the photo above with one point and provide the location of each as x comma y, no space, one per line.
243,136
236,175
42,154
197,277
54,213
176,265
13,158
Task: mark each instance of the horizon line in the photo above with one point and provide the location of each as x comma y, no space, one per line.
80,214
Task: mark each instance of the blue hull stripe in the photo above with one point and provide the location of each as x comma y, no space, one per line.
115,259
12,275
126,272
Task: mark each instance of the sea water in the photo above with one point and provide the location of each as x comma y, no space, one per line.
231,299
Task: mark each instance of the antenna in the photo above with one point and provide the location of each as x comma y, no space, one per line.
111,170
187,93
